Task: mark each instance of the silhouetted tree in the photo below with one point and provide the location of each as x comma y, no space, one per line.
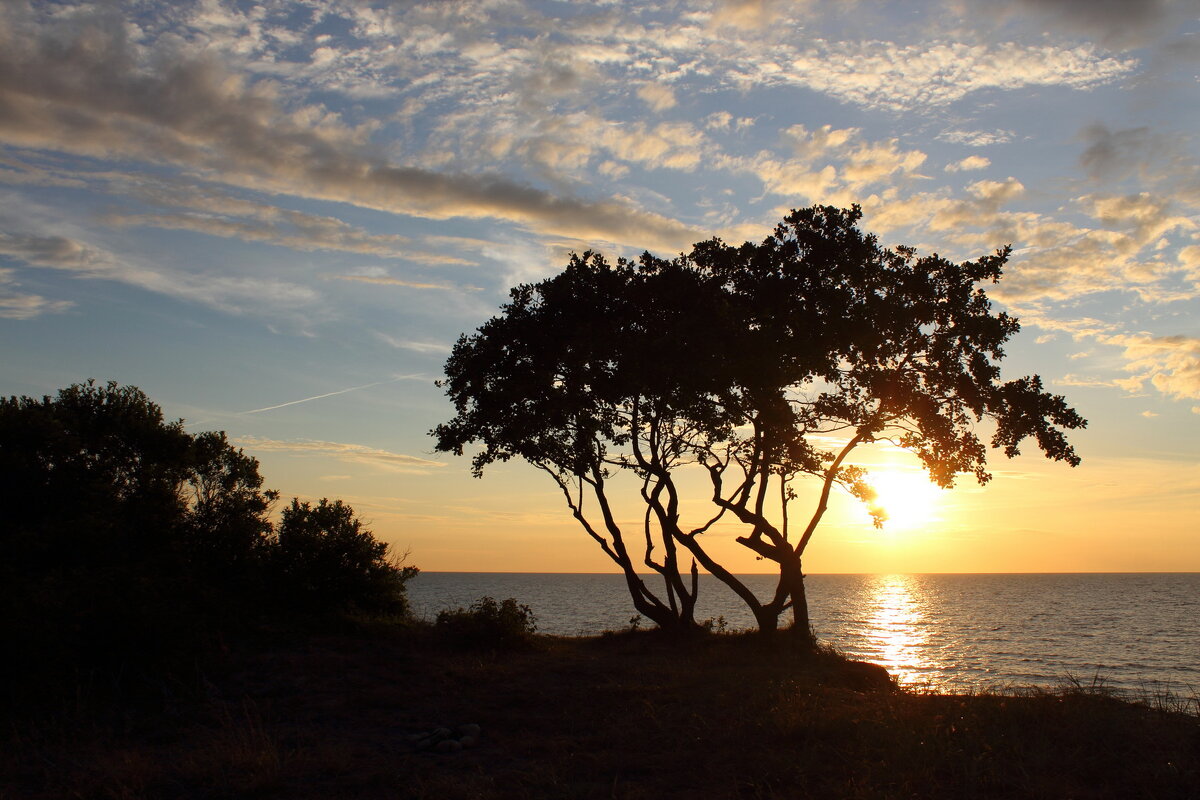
126,541
226,523
328,562
122,536
743,361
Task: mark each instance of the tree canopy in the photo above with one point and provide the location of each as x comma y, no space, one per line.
744,362
125,539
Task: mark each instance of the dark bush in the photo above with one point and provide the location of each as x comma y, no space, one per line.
326,562
488,624
124,540
127,544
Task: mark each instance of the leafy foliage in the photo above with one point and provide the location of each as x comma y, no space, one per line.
488,623
327,562
127,542
745,361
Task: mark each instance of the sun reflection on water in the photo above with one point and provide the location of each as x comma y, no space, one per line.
896,631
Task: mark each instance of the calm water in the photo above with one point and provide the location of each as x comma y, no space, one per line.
1134,631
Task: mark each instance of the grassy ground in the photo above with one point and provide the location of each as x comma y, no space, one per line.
622,716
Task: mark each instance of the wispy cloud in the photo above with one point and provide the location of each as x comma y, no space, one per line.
232,293
341,451
415,346
327,394
976,138
384,280
15,304
1076,380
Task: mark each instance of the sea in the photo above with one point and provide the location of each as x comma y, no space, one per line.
1132,633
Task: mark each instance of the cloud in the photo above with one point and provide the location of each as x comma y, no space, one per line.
657,96
416,347
718,121
1143,217
1170,363
1113,155
979,209
231,293
1058,260
1076,380
384,280
57,252
1162,161
86,89
976,138
1149,414
674,145
1189,259
21,305
1078,329
751,14
1128,249
217,213
969,163
347,453
878,161
828,165
1116,23
303,232
14,171
895,77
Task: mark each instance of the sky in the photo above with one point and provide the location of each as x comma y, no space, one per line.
277,218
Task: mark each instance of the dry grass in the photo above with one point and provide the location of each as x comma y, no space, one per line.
625,716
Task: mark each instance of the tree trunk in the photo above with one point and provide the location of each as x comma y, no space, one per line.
656,612
767,619
793,578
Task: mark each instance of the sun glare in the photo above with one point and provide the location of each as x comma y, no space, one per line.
908,498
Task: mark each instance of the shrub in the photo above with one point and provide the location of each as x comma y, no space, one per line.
488,623
327,562
128,544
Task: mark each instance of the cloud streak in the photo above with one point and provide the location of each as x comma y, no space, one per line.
344,452
15,304
230,293
326,394
384,280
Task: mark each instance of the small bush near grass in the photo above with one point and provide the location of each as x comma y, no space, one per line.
488,623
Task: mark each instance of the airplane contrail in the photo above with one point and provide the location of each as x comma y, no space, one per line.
327,394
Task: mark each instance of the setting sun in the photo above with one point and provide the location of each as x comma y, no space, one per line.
908,498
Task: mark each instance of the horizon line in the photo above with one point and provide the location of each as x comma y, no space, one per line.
811,574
